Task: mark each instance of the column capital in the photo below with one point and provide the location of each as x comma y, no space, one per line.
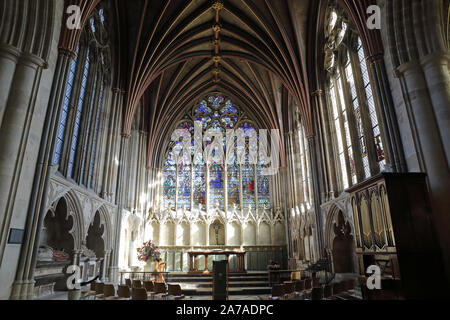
408,68
435,58
67,53
375,57
9,52
317,93
32,60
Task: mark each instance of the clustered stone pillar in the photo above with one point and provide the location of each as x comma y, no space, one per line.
123,156
15,129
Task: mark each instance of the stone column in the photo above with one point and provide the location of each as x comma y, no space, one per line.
9,56
225,186
207,188
106,265
177,173
394,148
256,188
123,155
192,188
430,148
241,193
15,129
437,76
316,194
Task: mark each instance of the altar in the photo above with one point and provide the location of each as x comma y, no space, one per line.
193,261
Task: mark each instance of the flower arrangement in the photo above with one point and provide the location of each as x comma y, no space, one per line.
148,252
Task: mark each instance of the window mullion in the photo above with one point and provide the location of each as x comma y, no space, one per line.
333,135
73,108
365,115
82,147
357,152
343,136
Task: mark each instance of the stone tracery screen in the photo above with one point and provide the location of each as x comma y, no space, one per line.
193,185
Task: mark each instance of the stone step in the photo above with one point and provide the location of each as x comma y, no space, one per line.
209,279
233,284
231,291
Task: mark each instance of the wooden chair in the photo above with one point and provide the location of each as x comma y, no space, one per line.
174,291
308,287
277,292
349,285
128,283
337,288
289,289
160,290
328,291
137,284
308,284
139,294
317,293
148,285
91,292
99,290
315,282
299,288
124,292
109,292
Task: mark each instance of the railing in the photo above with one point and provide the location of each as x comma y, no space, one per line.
142,275
256,258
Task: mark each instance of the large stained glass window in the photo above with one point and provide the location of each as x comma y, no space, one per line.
76,130
65,110
241,182
358,149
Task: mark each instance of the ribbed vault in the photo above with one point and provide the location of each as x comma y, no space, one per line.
173,52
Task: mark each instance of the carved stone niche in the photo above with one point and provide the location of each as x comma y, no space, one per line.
394,230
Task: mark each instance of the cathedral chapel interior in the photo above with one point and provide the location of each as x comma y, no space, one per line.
300,146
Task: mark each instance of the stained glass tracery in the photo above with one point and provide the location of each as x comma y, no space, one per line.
215,112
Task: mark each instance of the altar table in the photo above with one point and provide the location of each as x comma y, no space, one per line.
193,264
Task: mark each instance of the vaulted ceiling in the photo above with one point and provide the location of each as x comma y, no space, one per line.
178,51
173,52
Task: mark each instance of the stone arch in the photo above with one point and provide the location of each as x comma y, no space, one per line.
95,236
105,220
58,224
